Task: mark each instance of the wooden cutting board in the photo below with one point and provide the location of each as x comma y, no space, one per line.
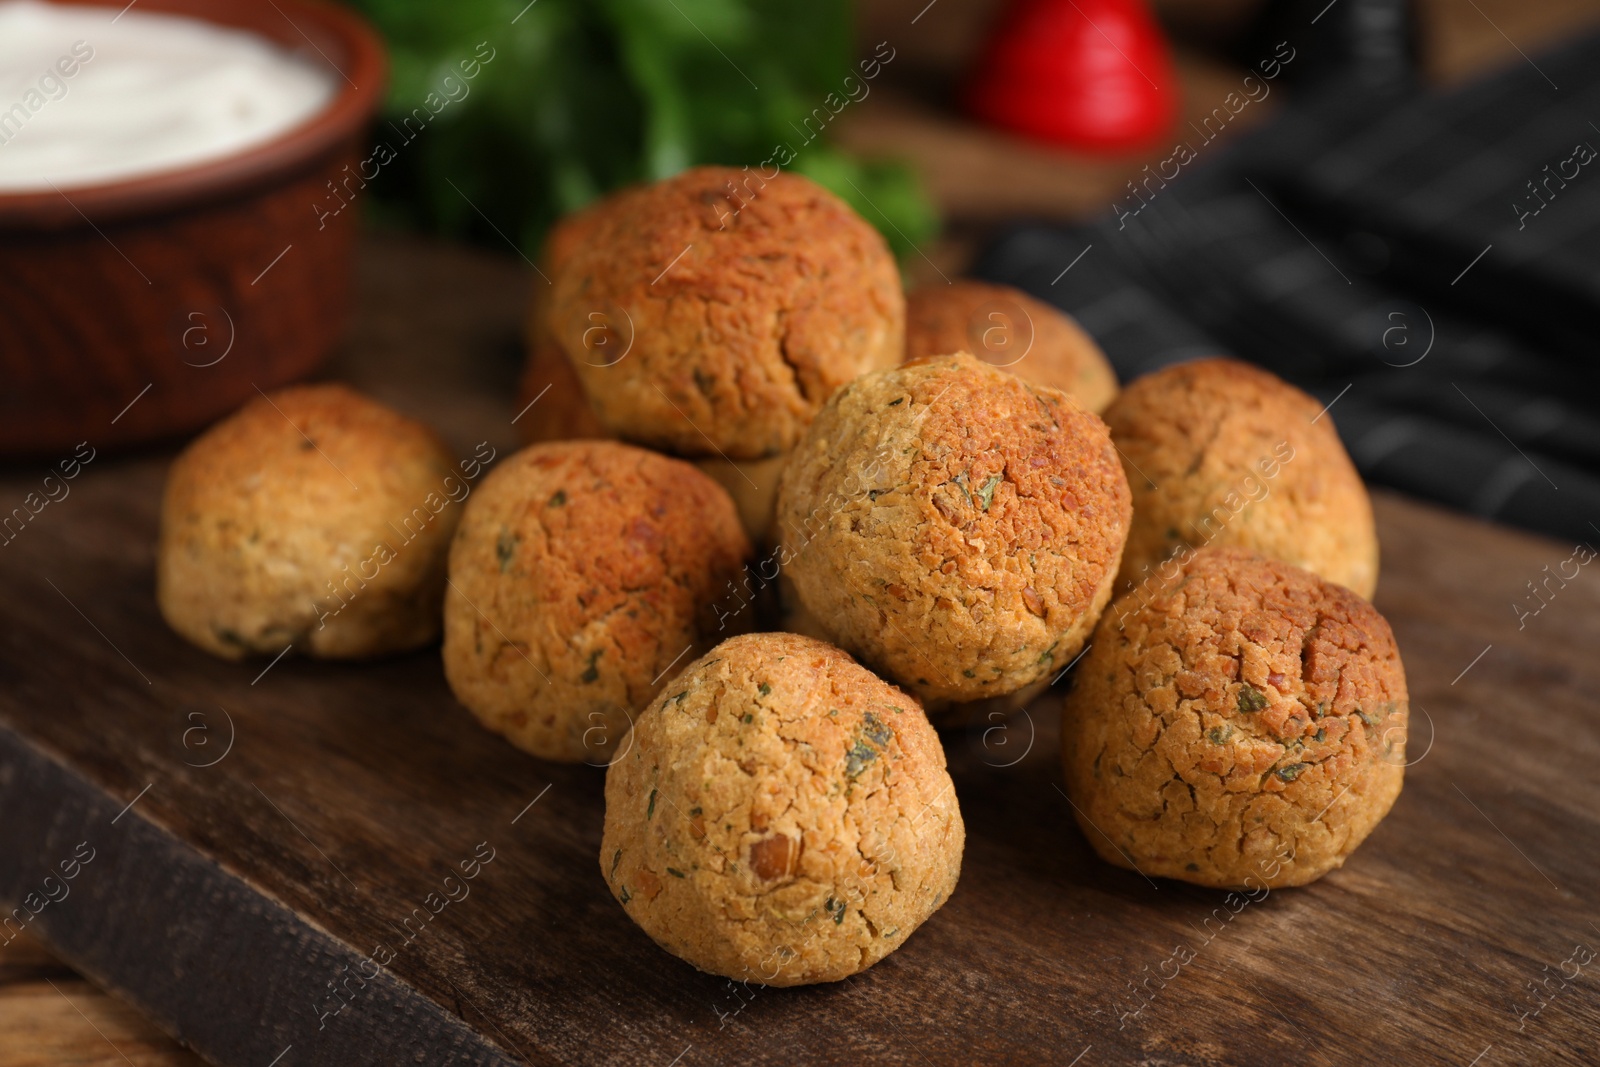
254,832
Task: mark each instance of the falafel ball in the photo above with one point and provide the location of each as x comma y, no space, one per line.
1219,452
1239,723
956,527
583,574
1007,328
782,816
313,517
712,313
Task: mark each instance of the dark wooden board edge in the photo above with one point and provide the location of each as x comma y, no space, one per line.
230,952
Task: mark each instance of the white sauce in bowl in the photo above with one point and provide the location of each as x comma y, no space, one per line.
88,96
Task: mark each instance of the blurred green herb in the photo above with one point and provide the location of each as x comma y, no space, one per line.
572,98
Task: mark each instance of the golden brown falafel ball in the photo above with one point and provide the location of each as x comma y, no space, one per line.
713,312
1009,329
956,527
583,573
782,816
1241,723
1222,453
312,517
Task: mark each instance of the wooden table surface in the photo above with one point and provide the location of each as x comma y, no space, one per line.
222,899
49,1016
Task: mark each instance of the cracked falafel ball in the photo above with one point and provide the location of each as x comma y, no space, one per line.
313,517
1219,452
713,313
1007,328
782,816
954,526
1241,720
583,572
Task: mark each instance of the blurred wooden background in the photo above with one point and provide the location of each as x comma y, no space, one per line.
980,177
51,1017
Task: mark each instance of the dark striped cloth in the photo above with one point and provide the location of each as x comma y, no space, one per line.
1427,263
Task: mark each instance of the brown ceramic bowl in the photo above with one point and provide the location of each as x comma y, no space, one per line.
182,292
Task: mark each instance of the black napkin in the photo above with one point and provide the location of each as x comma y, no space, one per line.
1427,263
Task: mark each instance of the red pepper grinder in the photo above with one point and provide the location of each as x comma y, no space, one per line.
1085,74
